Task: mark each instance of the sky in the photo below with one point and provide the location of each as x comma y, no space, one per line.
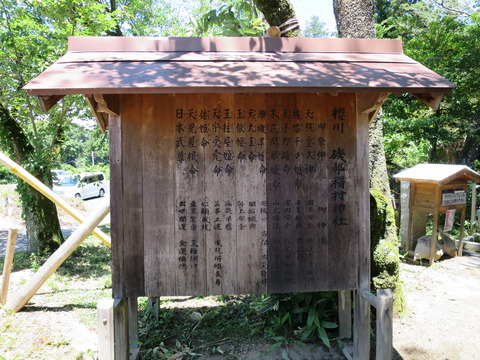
321,8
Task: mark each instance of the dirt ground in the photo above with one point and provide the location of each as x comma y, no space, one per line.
441,322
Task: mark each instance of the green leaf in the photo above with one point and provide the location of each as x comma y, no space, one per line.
311,317
324,337
274,346
329,325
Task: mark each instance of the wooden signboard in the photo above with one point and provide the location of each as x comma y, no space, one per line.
234,193
454,197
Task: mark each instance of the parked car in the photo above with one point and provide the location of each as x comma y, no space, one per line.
83,185
58,175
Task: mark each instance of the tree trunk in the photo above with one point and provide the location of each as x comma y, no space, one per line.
277,12
41,218
40,214
354,18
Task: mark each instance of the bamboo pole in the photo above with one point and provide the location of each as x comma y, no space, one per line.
22,296
41,187
7,264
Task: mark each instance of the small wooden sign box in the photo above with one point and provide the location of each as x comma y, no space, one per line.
435,189
239,165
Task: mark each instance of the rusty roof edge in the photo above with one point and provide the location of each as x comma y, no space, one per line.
230,89
221,44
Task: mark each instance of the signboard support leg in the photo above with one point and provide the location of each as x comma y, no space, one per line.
118,329
345,314
462,233
433,243
361,327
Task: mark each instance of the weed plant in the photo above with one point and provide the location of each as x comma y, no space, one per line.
235,323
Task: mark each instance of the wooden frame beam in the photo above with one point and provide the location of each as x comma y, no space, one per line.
370,103
103,105
431,99
47,102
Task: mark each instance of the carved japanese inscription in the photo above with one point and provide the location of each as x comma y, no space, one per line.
248,193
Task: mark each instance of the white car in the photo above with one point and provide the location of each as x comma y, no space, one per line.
58,175
83,185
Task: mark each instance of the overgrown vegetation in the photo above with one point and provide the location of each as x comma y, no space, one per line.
234,323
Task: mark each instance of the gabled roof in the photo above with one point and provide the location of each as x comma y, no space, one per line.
438,174
113,65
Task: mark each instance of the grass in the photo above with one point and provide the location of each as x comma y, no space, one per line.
59,315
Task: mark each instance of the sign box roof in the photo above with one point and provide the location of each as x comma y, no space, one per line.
440,174
114,65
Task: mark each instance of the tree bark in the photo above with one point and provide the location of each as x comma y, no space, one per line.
354,18
41,218
276,12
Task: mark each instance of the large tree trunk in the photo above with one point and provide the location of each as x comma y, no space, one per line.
40,214
355,19
277,12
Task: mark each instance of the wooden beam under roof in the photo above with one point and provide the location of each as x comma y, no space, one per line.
102,106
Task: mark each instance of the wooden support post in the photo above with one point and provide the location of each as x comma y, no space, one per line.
345,314
154,303
7,264
361,327
384,324
383,302
49,194
22,296
473,210
133,328
462,233
121,329
433,242
118,329
105,330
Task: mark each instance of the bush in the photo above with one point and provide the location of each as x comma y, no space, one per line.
6,176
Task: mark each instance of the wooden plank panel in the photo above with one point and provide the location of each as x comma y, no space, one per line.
426,189
159,194
251,202
283,181
239,194
132,195
190,231
116,212
343,191
313,262
220,172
